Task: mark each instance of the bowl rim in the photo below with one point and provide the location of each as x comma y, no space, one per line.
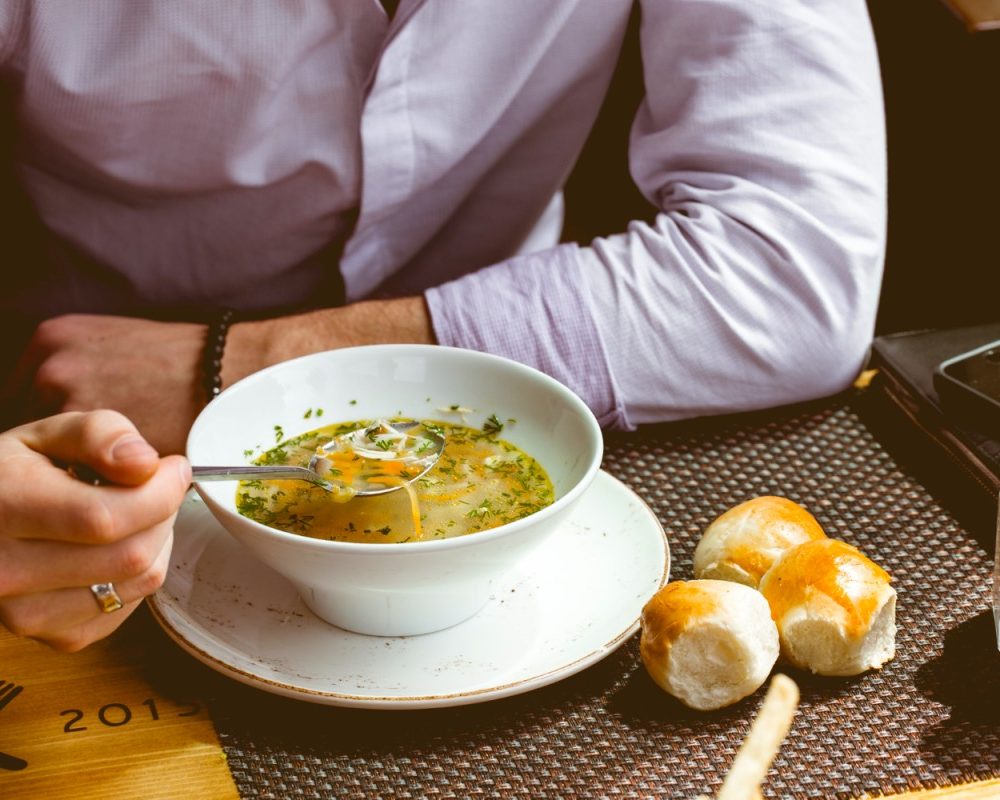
372,548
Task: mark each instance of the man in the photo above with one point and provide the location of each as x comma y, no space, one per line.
338,177
186,157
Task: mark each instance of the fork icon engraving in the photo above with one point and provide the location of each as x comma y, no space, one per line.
8,691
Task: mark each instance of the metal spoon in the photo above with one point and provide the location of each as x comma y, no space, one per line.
382,441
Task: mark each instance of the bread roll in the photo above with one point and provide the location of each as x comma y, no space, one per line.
742,544
835,610
708,643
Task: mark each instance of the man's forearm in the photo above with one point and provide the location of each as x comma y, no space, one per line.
254,345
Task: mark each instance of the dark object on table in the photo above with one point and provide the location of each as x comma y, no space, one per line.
907,363
969,388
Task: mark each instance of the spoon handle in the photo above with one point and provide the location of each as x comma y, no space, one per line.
245,473
242,473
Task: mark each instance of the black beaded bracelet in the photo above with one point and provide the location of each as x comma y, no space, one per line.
215,344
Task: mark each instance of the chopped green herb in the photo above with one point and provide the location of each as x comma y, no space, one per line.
484,509
437,430
250,505
276,456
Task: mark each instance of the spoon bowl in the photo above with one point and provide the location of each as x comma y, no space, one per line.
381,458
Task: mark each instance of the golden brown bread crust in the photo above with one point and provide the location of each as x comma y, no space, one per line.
669,613
708,643
832,568
749,535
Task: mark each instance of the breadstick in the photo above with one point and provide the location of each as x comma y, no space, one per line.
758,750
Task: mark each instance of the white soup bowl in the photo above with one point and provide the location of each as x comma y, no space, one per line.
405,588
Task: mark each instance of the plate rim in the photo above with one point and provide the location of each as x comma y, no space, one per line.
407,702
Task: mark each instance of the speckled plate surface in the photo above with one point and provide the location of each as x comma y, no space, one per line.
574,601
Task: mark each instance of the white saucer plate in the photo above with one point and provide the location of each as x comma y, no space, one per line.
571,603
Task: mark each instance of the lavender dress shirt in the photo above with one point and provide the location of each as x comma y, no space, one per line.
186,154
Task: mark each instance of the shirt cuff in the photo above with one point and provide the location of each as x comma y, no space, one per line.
534,309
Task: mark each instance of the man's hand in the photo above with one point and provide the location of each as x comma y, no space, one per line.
150,371
59,535
146,370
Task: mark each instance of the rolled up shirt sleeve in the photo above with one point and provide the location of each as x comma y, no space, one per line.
761,143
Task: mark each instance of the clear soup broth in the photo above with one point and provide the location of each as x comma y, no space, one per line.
480,482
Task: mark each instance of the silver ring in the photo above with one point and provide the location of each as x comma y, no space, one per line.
106,596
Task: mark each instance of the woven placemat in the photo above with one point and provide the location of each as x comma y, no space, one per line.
930,718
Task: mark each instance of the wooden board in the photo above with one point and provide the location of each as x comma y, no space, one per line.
93,725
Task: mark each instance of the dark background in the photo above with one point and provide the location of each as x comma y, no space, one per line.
942,96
